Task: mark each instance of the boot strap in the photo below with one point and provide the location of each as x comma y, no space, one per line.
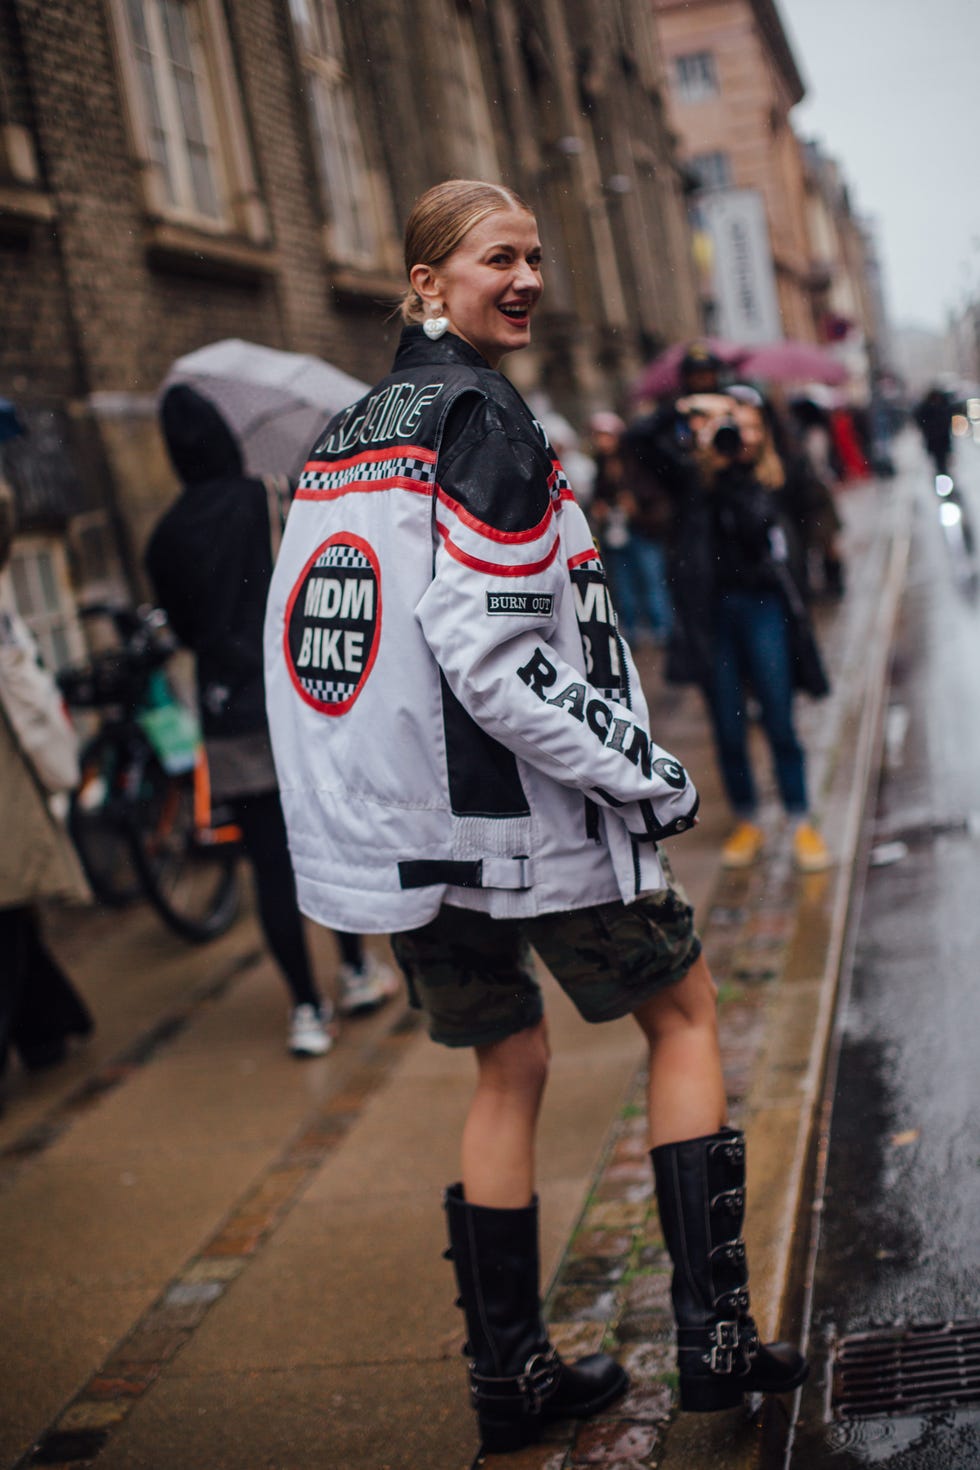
723,1347
534,1386
732,1200
717,1347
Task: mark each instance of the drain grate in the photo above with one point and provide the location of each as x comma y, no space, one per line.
906,1370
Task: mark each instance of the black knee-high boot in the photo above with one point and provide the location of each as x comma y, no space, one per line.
701,1196
518,1383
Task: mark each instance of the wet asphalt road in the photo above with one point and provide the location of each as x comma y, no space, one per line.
900,1235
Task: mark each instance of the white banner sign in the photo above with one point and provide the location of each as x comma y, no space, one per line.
744,279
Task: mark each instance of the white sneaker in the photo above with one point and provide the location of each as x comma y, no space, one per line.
366,989
308,1034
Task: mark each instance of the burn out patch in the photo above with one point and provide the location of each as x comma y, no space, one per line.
333,622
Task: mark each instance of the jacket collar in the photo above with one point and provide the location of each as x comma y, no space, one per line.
415,350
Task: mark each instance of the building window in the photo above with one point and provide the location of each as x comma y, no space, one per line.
696,76
178,104
42,592
354,198
186,115
713,170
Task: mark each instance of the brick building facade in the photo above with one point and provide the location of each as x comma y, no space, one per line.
173,172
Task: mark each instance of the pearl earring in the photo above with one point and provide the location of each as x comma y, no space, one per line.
435,327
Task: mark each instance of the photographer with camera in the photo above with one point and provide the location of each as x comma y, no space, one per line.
743,628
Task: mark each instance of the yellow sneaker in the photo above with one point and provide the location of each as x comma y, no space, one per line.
810,850
743,847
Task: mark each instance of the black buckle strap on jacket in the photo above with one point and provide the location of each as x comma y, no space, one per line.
489,872
533,1387
657,831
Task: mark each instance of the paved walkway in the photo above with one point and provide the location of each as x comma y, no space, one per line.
214,1256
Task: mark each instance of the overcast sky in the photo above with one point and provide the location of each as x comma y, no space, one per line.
893,91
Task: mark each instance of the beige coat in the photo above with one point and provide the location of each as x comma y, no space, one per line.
37,859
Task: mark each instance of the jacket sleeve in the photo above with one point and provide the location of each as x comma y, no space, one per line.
488,616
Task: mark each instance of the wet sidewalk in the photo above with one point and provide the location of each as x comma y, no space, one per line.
215,1256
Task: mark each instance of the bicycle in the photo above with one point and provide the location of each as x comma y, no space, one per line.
141,818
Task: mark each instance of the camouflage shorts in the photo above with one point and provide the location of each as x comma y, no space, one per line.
473,976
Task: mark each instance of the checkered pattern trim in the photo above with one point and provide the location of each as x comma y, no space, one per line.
327,691
558,483
366,472
340,555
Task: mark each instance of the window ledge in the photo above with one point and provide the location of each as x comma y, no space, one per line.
356,282
21,208
182,249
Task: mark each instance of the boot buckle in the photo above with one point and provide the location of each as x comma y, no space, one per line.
725,1344
732,1151
539,1379
729,1199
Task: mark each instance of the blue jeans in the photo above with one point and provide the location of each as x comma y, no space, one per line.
638,575
752,653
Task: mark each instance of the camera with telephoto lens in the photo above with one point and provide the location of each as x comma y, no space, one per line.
727,439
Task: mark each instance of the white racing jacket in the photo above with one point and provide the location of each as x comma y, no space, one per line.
454,716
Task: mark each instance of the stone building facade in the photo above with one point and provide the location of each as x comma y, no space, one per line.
174,172
848,295
732,81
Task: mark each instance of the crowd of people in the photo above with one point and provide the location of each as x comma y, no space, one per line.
717,520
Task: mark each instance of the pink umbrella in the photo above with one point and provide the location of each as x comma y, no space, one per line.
792,362
662,375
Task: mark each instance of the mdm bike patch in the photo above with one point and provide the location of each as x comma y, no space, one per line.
597,626
333,622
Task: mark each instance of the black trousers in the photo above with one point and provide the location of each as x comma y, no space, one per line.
39,1006
264,835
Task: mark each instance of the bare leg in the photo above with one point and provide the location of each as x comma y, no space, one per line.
686,1089
498,1137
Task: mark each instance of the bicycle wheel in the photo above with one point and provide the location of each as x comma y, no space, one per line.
193,887
97,822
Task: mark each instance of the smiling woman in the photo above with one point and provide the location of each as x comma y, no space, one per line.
473,258
467,763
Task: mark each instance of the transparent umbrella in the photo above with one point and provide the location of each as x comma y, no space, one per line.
276,402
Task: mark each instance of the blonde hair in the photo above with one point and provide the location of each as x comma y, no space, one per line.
769,469
439,221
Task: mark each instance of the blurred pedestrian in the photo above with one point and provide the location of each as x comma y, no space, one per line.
847,445
808,499
477,773
40,1009
632,516
210,561
741,614
934,416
